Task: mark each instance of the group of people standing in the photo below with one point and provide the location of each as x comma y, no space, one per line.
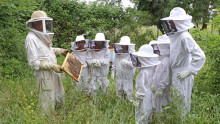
171,60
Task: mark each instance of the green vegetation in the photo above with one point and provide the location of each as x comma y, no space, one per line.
18,91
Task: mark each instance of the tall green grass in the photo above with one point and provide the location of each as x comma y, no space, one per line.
19,104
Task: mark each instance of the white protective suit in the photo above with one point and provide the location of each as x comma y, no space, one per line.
144,80
39,50
49,83
82,84
98,61
186,57
124,69
162,78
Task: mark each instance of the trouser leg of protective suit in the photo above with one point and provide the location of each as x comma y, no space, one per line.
128,89
183,90
59,90
104,84
47,101
119,88
144,112
94,84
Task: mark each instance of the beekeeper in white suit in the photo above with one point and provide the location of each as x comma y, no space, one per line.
79,48
123,67
186,57
98,59
161,80
41,57
143,104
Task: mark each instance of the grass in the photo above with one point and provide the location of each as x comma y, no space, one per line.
19,104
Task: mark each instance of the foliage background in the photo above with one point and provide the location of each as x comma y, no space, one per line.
18,102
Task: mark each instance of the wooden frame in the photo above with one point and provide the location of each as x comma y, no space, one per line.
69,65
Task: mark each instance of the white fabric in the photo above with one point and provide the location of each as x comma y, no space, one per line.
38,14
45,37
148,62
178,13
185,54
118,48
98,75
144,81
183,25
92,44
78,39
99,37
161,83
145,51
125,40
49,84
125,71
82,84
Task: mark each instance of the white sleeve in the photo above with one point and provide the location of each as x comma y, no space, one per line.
162,75
89,58
106,59
140,81
57,51
113,66
198,56
32,54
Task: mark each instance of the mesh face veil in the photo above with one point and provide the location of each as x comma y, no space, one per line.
98,45
124,48
43,25
168,26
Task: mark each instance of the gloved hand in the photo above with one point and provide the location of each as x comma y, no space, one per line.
125,62
55,67
112,75
153,88
64,52
183,74
159,93
98,63
137,102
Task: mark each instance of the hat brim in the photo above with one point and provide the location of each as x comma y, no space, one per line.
187,17
157,63
163,43
100,40
123,44
144,55
79,40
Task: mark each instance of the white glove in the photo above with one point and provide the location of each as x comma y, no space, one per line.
159,93
97,63
112,75
137,102
55,67
61,51
153,88
183,74
125,62
65,51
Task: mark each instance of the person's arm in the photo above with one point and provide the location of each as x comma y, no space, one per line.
106,59
62,51
113,69
163,76
32,54
140,81
198,58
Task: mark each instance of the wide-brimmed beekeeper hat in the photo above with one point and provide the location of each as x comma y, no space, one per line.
125,40
178,13
145,51
78,39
